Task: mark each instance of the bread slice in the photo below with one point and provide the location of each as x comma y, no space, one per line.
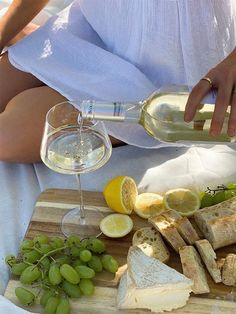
218,223
193,269
183,225
150,284
150,242
229,270
208,256
169,232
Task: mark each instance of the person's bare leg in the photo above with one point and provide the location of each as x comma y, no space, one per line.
13,81
22,123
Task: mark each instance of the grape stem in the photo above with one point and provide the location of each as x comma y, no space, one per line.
49,253
219,188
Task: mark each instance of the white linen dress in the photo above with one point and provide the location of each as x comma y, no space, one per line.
125,49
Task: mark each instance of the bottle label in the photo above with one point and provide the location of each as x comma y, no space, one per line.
95,110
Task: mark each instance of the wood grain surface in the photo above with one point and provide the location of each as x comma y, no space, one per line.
49,209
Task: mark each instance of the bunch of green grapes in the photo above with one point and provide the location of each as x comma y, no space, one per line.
214,196
60,269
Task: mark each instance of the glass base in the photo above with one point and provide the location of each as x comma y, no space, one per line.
73,224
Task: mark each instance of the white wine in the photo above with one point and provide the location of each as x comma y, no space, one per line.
162,116
73,150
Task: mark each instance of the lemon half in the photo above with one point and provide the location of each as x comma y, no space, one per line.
185,201
148,205
116,225
120,194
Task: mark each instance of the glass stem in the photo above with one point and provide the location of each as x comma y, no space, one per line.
82,213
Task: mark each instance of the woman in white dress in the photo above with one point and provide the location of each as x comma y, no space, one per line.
111,49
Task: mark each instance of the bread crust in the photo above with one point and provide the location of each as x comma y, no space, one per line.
193,269
149,240
218,223
183,225
208,256
229,270
168,231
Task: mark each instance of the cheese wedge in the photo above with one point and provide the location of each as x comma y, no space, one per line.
150,284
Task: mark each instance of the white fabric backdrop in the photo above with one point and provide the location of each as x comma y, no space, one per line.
154,170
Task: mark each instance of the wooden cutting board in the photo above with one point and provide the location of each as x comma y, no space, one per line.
54,203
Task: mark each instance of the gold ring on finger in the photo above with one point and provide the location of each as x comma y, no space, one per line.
205,78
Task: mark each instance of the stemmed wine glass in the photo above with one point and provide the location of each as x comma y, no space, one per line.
72,145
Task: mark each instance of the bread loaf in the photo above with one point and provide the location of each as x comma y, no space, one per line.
218,223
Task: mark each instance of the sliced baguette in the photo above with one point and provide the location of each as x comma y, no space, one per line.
183,225
208,256
193,269
169,232
218,223
229,270
150,242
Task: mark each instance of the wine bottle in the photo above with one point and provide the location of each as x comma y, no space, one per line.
162,115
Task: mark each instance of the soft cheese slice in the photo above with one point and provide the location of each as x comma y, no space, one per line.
149,283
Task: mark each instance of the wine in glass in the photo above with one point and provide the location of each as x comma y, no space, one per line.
72,145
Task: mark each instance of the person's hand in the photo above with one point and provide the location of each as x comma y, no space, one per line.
223,78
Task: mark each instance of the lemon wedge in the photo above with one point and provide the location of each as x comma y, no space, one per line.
116,225
148,204
120,194
185,201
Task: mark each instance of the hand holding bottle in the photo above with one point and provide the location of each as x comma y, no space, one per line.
223,78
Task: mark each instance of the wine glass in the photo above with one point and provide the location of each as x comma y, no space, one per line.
72,145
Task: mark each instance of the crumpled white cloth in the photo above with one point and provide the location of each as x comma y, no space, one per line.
198,168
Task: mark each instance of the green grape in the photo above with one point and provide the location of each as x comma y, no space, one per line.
71,290
229,194
219,197
95,263
109,263
73,240
69,273
51,305
25,296
231,186
18,268
54,275
31,256
26,245
78,262
56,242
85,255
45,248
62,259
10,260
63,306
45,296
207,200
75,251
30,274
86,286
45,263
96,246
40,239
85,271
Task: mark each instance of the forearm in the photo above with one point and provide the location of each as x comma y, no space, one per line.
18,15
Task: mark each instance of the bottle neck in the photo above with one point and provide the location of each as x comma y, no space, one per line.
111,111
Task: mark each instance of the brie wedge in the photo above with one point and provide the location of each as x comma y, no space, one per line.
150,284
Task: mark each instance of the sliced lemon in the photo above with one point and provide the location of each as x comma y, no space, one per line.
148,204
185,201
120,194
116,225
